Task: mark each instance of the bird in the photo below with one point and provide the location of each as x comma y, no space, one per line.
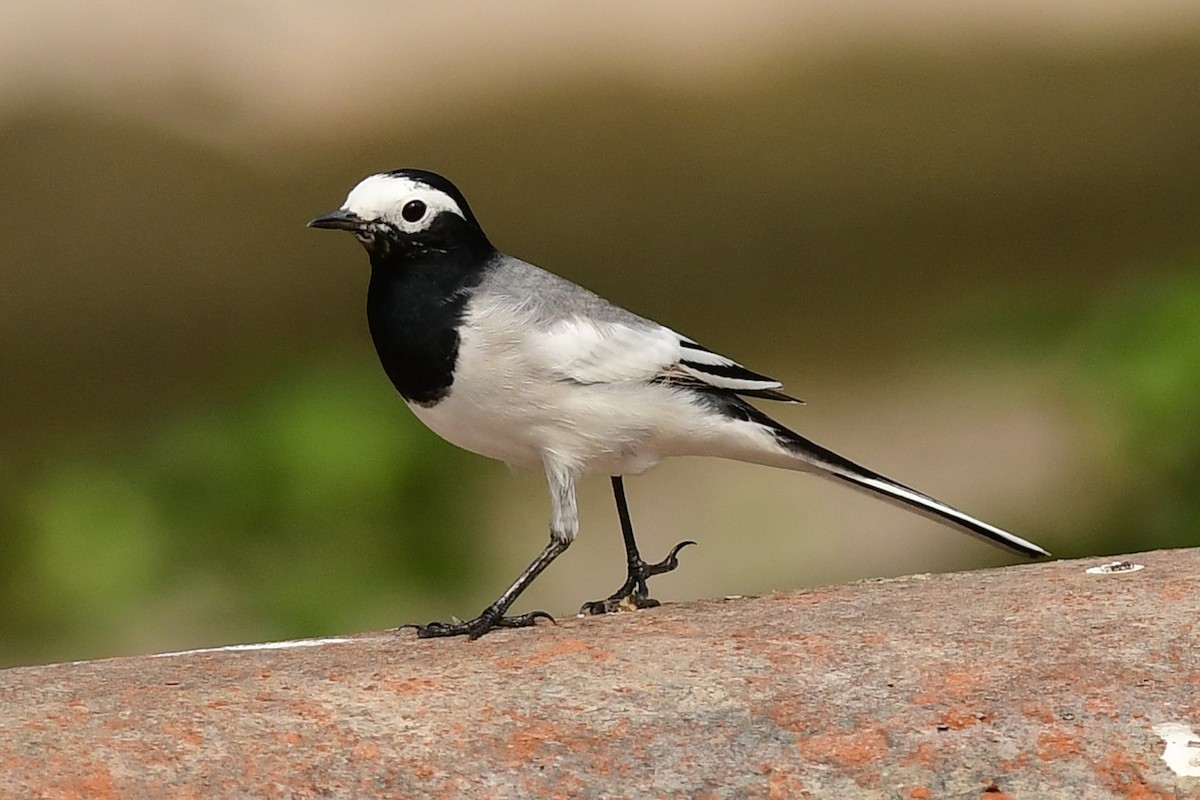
512,362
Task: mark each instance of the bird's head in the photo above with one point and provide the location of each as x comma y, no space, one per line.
408,213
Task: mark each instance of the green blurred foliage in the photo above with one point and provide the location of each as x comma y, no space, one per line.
308,508
1126,362
1122,357
818,214
319,504
1136,357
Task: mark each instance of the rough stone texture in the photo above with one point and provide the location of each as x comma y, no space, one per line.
1038,681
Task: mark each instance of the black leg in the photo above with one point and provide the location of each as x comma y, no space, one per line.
633,593
493,615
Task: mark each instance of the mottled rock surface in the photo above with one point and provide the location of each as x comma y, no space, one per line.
1039,681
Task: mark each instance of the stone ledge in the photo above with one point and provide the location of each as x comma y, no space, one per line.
1037,681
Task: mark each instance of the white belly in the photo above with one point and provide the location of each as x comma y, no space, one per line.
508,402
507,406
588,428
488,431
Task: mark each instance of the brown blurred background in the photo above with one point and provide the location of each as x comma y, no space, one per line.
966,234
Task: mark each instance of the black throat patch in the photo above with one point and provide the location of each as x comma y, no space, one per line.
420,285
415,304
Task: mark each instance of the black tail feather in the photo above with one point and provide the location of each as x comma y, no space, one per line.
834,465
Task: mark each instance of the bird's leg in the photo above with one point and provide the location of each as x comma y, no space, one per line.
634,593
493,615
564,524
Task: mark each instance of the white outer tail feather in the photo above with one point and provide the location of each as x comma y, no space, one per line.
804,454
938,511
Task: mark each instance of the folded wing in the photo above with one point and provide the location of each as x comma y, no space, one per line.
589,352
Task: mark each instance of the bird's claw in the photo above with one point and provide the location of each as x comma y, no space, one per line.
667,564
634,594
474,628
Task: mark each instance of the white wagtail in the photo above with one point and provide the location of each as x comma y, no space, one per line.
512,362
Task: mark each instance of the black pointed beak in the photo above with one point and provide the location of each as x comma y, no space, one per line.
340,220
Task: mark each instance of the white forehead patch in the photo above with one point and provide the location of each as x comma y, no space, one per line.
383,197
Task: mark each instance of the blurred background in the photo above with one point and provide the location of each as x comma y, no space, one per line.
966,234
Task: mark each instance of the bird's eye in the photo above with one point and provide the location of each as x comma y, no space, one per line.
413,210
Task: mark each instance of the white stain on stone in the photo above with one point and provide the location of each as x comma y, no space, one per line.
237,648
1115,568
1182,752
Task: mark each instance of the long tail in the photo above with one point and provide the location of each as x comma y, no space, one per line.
923,504
826,462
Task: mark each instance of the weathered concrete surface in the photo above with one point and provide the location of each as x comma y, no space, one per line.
1038,681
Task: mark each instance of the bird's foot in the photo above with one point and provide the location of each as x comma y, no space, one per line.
634,594
474,628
